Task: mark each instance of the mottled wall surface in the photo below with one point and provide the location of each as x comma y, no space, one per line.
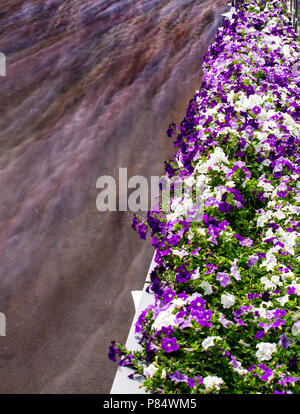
91,86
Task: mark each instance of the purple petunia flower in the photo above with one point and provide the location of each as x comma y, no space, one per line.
178,377
211,267
183,275
198,303
141,320
256,110
288,380
113,351
127,361
252,296
191,382
142,230
265,296
223,278
167,330
194,252
277,323
170,344
252,260
279,313
225,207
264,325
168,295
259,335
267,372
150,350
261,255
202,317
284,342
240,321
246,242
293,362
260,196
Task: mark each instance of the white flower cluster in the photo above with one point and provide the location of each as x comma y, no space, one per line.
150,371
207,287
212,381
181,206
227,300
164,318
217,161
265,351
209,341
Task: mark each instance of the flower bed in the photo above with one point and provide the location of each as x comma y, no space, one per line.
226,318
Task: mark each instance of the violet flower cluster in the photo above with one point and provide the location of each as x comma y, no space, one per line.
226,317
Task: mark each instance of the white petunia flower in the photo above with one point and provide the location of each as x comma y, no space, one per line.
269,234
211,382
276,279
209,341
165,318
230,184
179,253
265,351
189,181
150,371
176,304
270,262
227,300
279,215
283,300
196,274
207,287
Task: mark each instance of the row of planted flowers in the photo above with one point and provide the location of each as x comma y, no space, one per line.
226,317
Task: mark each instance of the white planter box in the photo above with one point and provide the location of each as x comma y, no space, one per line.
122,384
